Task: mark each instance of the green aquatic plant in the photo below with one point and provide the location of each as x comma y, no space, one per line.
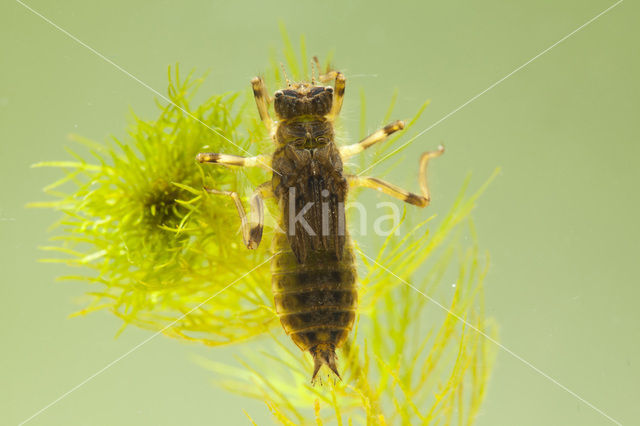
139,218
163,254
410,361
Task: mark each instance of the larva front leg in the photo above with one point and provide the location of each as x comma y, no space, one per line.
262,101
340,83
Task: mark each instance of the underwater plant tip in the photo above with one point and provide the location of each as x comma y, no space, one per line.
324,354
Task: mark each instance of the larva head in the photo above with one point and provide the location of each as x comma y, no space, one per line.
300,100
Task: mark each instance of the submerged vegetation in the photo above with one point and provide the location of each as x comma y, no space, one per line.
163,254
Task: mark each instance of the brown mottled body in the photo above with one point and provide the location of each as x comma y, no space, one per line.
314,277
313,266
316,301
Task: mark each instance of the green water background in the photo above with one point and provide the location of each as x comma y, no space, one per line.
561,220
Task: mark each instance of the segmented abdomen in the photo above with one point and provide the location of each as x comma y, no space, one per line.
317,300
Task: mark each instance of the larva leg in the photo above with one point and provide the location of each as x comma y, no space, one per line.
263,161
375,137
397,192
262,101
251,228
339,88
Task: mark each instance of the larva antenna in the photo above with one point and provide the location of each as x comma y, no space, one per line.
313,72
284,73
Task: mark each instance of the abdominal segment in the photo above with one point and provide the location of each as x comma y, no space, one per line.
315,301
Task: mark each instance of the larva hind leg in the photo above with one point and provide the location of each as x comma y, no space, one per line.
251,228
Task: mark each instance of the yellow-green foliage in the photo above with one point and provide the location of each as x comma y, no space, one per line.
158,243
410,361
156,246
